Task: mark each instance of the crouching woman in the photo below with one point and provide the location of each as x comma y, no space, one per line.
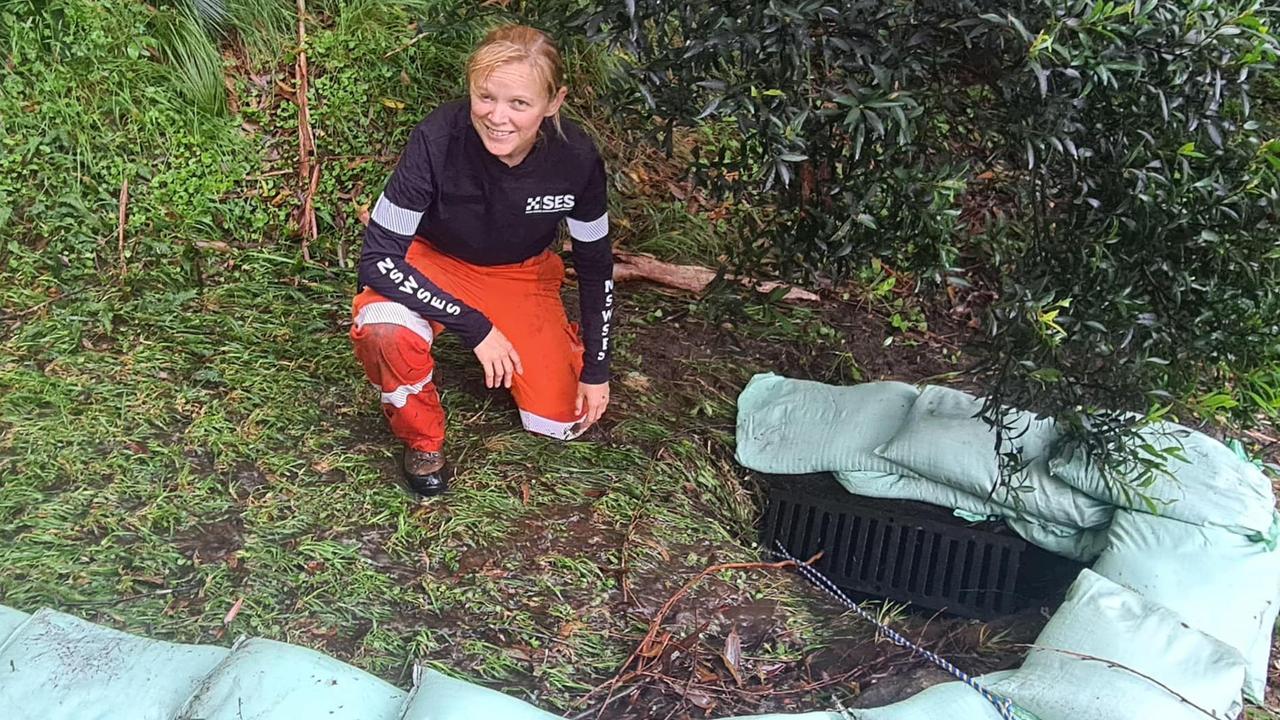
461,241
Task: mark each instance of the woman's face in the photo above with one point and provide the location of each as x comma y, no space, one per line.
507,109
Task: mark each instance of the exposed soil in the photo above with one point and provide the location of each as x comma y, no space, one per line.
666,347
211,542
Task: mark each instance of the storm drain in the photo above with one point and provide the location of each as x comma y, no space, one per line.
908,551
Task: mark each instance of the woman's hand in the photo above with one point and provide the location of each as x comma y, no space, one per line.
593,399
499,359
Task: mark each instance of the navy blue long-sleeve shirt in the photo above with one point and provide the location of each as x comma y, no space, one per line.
450,191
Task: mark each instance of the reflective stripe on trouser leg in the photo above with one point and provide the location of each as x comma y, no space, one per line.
523,301
394,346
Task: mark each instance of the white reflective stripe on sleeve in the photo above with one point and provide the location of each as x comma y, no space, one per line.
395,218
589,231
551,428
400,396
395,314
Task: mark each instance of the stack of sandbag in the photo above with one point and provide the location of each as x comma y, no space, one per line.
1177,617
1107,654
1218,581
1110,653
888,440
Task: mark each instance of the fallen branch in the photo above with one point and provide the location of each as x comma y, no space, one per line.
306,140
124,204
693,278
1262,438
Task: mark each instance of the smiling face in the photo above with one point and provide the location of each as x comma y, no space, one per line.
507,109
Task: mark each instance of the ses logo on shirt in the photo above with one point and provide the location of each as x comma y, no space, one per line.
548,204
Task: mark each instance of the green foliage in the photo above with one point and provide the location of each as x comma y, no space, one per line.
86,108
1143,265
1115,181
182,38
819,113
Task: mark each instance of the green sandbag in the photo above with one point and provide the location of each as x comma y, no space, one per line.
1069,542
436,696
1212,487
267,680
791,716
59,667
10,620
949,701
1107,652
1219,582
943,439
798,426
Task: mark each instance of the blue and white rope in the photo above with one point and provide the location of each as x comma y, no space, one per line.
1003,705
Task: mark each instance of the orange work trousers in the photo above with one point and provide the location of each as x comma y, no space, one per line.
393,343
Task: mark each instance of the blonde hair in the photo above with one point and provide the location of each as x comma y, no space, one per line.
519,43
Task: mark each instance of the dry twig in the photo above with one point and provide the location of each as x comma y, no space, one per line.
650,650
306,140
124,204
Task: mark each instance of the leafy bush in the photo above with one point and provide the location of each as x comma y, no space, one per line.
1099,163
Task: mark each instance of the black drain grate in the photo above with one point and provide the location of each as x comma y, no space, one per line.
908,551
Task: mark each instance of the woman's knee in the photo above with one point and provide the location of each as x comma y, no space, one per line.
390,353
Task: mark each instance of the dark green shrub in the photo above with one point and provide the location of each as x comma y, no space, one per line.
1115,183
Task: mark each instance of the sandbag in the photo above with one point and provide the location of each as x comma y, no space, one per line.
791,716
949,701
1114,628
799,426
59,667
943,439
268,680
436,696
1069,542
1218,581
1213,486
10,620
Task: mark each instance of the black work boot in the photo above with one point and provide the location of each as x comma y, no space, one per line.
425,472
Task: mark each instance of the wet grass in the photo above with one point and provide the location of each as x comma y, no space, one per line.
220,444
